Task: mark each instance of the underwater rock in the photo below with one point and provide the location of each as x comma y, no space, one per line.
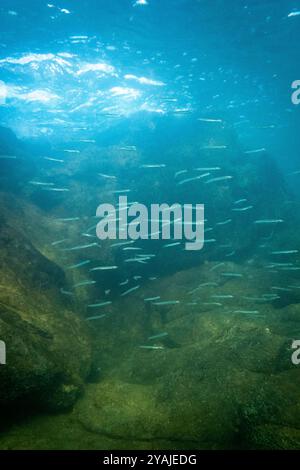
48,346
188,414
211,372
8,141
44,230
272,437
15,164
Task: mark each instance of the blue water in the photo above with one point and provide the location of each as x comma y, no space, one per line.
167,101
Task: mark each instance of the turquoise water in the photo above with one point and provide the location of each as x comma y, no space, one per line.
141,343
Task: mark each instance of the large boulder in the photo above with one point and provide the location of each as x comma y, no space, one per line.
218,371
48,344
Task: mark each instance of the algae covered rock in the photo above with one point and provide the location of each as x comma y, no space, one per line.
206,372
272,437
48,348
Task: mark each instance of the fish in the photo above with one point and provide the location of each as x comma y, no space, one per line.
269,221
81,247
135,260
65,292
216,304
78,265
121,191
88,235
81,37
242,209
216,266
151,347
232,274
178,173
88,282
285,252
103,268
40,183
157,336
249,152
69,219
210,120
224,296
279,265
188,180
114,245
101,304
231,253
239,201
130,290
58,190
128,148
260,299
220,178
148,255
153,166
291,269
167,302
131,248
151,299
214,168
205,284
54,160
283,289
269,296
292,14
247,312
214,147
103,175
59,242
96,317
225,222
